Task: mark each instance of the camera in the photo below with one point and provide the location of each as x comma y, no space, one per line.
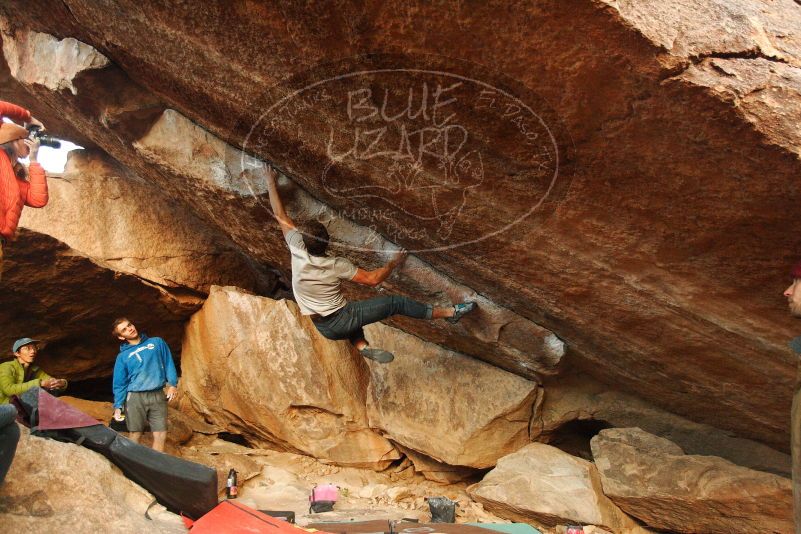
35,131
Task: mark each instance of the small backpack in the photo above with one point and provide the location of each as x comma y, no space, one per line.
322,498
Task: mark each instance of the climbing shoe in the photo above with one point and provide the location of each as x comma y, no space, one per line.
377,355
460,310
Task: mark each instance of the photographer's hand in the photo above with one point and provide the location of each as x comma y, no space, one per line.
36,122
33,144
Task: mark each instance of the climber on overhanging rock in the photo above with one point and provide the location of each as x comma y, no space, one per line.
316,284
18,186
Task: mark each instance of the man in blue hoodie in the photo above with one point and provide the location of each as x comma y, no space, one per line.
144,365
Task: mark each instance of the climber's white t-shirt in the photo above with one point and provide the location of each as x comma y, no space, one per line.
316,279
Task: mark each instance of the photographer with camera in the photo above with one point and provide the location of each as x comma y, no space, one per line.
19,186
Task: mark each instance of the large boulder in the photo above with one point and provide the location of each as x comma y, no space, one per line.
225,186
653,480
61,487
458,410
256,367
543,484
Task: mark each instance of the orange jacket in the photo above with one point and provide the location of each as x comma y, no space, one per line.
14,112
16,193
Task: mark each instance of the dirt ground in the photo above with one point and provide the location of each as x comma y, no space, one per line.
282,481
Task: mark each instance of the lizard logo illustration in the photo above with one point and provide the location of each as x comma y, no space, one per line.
433,155
429,164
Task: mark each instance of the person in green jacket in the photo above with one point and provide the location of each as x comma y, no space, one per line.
20,374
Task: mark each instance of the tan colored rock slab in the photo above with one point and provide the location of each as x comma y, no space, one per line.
456,409
109,214
256,367
653,480
67,58
544,484
54,486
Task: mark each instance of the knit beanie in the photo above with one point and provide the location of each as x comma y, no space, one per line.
11,132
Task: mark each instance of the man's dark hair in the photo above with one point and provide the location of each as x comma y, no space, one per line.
117,322
315,237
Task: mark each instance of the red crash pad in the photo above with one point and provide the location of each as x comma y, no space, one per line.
55,414
231,517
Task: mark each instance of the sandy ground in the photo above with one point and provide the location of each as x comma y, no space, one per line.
271,480
282,481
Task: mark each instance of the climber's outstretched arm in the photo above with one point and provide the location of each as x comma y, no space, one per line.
275,202
375,277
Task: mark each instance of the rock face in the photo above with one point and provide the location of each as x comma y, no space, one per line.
288,386
12,90
282,384
594,177
457,410
53,293
662,224
653,480
217,170
435,471
101,210
109,245
576,408
542,483
56,486
225,186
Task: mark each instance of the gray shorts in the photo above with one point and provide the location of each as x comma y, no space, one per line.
146,407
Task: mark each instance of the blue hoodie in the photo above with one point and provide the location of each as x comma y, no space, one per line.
143,367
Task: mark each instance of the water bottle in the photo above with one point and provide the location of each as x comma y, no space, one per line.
230,487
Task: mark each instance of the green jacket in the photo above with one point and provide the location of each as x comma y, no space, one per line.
12,375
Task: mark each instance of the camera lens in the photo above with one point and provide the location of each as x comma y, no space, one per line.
46,140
